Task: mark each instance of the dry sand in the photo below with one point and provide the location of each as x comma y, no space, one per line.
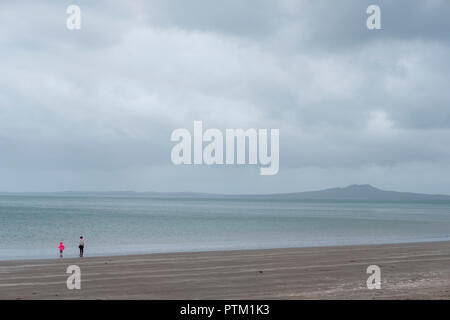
408,271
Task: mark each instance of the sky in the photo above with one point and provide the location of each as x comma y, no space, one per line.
93,109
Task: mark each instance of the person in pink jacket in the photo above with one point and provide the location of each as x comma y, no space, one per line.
61,249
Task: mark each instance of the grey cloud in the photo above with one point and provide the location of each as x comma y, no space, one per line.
94,109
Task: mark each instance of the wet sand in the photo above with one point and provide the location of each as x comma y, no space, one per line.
408,271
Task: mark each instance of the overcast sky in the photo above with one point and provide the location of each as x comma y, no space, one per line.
93,109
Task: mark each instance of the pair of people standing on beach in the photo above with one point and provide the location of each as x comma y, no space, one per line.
80,246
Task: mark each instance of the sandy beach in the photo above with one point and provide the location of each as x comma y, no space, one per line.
408,271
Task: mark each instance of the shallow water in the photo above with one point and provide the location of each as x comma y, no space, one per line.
32,226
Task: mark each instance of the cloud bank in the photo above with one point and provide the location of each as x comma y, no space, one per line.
94,109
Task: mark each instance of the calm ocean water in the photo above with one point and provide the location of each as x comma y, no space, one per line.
32,226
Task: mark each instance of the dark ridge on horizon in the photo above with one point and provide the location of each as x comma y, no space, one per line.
351,192
360,192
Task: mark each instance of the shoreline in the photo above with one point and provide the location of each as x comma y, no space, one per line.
417,270
56,257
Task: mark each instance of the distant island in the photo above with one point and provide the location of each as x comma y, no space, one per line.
361,192
352,192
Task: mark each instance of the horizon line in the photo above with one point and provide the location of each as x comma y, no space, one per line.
217,194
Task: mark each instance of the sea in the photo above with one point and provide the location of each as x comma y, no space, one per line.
33,226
